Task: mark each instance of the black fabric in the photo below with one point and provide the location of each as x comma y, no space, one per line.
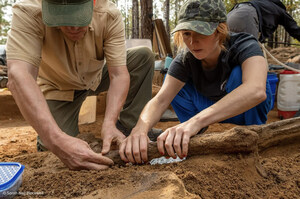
2,55
272,13
297,114
212,83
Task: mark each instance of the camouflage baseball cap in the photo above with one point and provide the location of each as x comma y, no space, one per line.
67,12
201,16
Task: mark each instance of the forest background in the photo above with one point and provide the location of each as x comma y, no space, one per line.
138,18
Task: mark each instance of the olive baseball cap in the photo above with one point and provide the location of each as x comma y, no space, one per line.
67,12
201,16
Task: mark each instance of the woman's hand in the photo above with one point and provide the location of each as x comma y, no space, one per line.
134,148
176,139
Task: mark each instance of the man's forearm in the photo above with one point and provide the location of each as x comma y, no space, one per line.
31,101
116,97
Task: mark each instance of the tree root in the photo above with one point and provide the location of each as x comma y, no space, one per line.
236,140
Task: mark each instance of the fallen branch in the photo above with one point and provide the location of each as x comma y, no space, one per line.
277,132
236,140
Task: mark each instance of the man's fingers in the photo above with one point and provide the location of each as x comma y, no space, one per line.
100,159
106,145
94,166
120,139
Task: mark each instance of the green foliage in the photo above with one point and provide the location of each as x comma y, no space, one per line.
175,6
4,21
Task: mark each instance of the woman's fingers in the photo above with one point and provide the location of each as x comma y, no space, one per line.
134,149
161,141
177,143
169,143
185,144
174,141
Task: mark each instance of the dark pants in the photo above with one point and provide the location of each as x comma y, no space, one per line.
140,64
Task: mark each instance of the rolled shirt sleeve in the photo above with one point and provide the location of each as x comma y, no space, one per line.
114,42
25,37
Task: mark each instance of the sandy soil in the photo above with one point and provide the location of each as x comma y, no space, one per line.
209,176
206,176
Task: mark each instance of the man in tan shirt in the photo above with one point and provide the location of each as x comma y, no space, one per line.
63,51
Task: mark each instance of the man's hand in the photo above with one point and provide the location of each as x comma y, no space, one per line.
77,154
116,96
135,148
110,134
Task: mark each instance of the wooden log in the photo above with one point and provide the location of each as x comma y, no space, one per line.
279,132
236,140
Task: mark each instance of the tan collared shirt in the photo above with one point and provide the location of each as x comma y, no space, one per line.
65,65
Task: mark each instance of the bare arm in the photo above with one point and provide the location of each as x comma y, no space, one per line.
116,96
154,109
75,153
22,84
250,93
134,148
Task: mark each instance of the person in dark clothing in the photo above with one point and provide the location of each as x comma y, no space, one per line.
261,18
217,77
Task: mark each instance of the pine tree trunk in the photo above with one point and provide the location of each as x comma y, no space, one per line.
135,19
167,17
271,41
287,38
276,38
146,19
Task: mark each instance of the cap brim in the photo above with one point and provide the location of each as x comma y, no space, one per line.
204,28
67,15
